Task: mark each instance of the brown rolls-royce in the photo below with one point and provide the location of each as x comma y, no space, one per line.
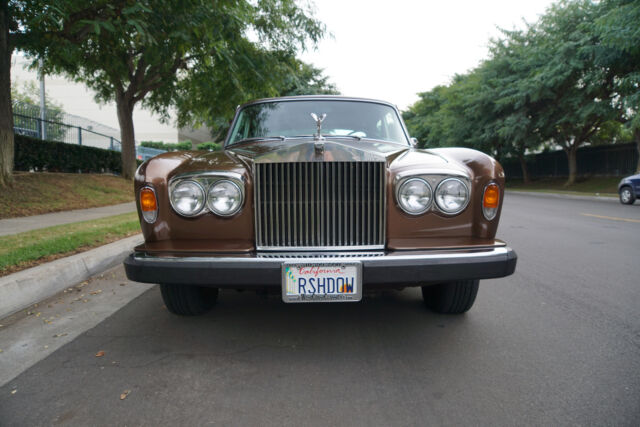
319,197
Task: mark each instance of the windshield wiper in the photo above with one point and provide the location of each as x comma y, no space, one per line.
261,138
358,138
326,136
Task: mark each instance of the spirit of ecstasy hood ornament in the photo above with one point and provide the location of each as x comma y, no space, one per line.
319,120
318,139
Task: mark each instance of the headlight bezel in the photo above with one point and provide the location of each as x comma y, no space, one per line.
206,179
197,184
210,205
434,178
406,181
463,206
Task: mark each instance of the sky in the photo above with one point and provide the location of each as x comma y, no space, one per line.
392,50
389,50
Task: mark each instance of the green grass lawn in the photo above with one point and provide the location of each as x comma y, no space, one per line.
603,186
24,250
38,193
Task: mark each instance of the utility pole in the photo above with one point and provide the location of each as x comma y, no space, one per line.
43,107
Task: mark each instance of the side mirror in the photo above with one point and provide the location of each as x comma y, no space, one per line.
414,142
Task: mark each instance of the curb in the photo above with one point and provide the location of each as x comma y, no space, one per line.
564,196
24,288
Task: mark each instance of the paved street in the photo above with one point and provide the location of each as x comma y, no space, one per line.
558,343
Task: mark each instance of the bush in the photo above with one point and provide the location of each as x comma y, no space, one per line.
185,145
32,153
211,146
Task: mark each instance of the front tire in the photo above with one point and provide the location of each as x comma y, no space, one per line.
626,196
452,297
185,300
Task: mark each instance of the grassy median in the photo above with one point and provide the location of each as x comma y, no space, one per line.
24,250
38,193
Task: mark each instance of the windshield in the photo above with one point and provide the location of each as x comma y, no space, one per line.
343,118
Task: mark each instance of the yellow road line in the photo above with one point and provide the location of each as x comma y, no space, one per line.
613,218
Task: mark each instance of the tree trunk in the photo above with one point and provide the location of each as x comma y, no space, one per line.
127,136
6,113
636,136
572,155
525,171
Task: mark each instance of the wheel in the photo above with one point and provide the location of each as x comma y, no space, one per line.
452,297
626,196
187,300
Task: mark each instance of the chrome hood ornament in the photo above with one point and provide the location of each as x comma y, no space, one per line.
319,120
318,138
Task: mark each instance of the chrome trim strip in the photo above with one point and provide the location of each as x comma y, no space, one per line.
432,172
319,248
207,174
394,256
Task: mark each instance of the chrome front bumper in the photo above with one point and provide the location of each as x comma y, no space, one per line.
380,269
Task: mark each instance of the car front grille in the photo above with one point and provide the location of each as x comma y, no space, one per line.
326,205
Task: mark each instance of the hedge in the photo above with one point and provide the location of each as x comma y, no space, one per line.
211,146
168,146
32,153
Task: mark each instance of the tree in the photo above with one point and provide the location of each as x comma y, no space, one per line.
41,26
577,91
291,77
196,55
619,49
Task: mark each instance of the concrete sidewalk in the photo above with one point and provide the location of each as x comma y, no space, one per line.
28,223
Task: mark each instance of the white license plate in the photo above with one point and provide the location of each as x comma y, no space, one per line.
321,282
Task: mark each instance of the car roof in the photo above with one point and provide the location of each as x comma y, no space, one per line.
317,98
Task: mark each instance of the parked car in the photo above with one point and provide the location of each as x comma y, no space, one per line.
320,198
629,189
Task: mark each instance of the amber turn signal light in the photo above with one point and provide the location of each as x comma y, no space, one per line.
491,196
148,204
148,200
490,201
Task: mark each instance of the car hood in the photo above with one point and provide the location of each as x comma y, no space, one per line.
308,151
241,158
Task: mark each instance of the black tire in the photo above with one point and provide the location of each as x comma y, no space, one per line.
626,195
452,297
187,300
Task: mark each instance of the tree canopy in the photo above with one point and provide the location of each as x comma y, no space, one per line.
200,57
566,80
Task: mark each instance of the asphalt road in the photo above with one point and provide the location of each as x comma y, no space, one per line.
558,343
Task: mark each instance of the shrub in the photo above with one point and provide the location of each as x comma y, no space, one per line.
32,153
211,146
185,145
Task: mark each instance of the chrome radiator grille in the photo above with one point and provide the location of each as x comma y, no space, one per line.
320,205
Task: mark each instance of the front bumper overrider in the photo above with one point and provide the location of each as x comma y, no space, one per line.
379,268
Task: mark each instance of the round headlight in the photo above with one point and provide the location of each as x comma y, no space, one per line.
224,198
414,196
187,198
452,196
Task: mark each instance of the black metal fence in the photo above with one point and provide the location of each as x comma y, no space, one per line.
602,160
59,126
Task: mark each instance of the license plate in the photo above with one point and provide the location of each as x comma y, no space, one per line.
321,282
